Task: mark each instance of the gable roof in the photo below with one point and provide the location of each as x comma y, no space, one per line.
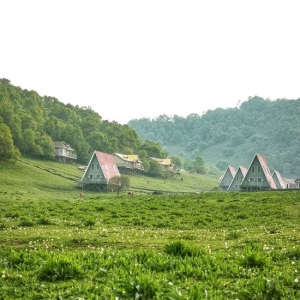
266,171
163,161
230,170
107,164
277,175
241,169
128,157
63,145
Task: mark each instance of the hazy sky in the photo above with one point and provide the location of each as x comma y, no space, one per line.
134,59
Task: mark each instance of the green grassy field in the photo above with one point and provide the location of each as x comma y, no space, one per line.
54,245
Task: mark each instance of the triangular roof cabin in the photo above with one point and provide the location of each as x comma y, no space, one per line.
101,168
278,180
258,176
237,179
227,177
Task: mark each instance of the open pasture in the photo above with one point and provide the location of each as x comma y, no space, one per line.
198,246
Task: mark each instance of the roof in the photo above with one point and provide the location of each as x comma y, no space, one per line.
130,157
231,170
266,170
279,178
243,170
163,161
63,145
289,180
107,164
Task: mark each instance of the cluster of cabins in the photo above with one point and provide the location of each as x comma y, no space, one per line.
256,178
103,166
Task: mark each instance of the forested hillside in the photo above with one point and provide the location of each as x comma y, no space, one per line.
30,123
233,135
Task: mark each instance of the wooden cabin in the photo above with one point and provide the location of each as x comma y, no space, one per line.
130,164
64,153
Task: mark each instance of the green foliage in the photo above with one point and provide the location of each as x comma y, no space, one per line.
59,268
154,168
7,149
236,133
119,183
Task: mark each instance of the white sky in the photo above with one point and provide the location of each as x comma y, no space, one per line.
134,59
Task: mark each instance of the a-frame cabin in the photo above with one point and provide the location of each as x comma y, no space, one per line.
278,180
258,177
101,168
237,179
227,177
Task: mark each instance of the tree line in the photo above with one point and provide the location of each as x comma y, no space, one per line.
29,124
257,125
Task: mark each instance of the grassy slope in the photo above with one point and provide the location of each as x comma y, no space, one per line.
47,179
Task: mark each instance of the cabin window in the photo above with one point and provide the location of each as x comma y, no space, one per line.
91,176
98,167
253,170
99,176
251,179
258,169
259,179
93,167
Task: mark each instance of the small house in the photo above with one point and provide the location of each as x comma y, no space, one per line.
289,183
165,163
258,176
101,168
128,163
237,179
64,153
227,178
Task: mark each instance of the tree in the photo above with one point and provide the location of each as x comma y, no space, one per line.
199,165
7,149
154,168
119,183
177,161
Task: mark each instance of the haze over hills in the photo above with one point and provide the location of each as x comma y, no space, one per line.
233,135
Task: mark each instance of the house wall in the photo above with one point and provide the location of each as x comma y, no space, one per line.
255,178
60,152
94,171
235,185
227,178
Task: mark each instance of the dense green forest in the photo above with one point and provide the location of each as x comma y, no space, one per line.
232,135
30,123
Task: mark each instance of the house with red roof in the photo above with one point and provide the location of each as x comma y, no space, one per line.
258,176
101,168
237,179
227,177
278,180
289,183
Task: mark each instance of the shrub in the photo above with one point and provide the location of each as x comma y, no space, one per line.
253,258
24,222
182,249
59,268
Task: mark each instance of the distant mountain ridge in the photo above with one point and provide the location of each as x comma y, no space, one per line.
233,135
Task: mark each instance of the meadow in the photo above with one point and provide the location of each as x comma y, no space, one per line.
210,245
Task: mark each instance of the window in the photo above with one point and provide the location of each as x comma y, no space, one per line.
258,169
91,176
237,178
99,176
259,179
98,167
93,167
253,170
251,179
